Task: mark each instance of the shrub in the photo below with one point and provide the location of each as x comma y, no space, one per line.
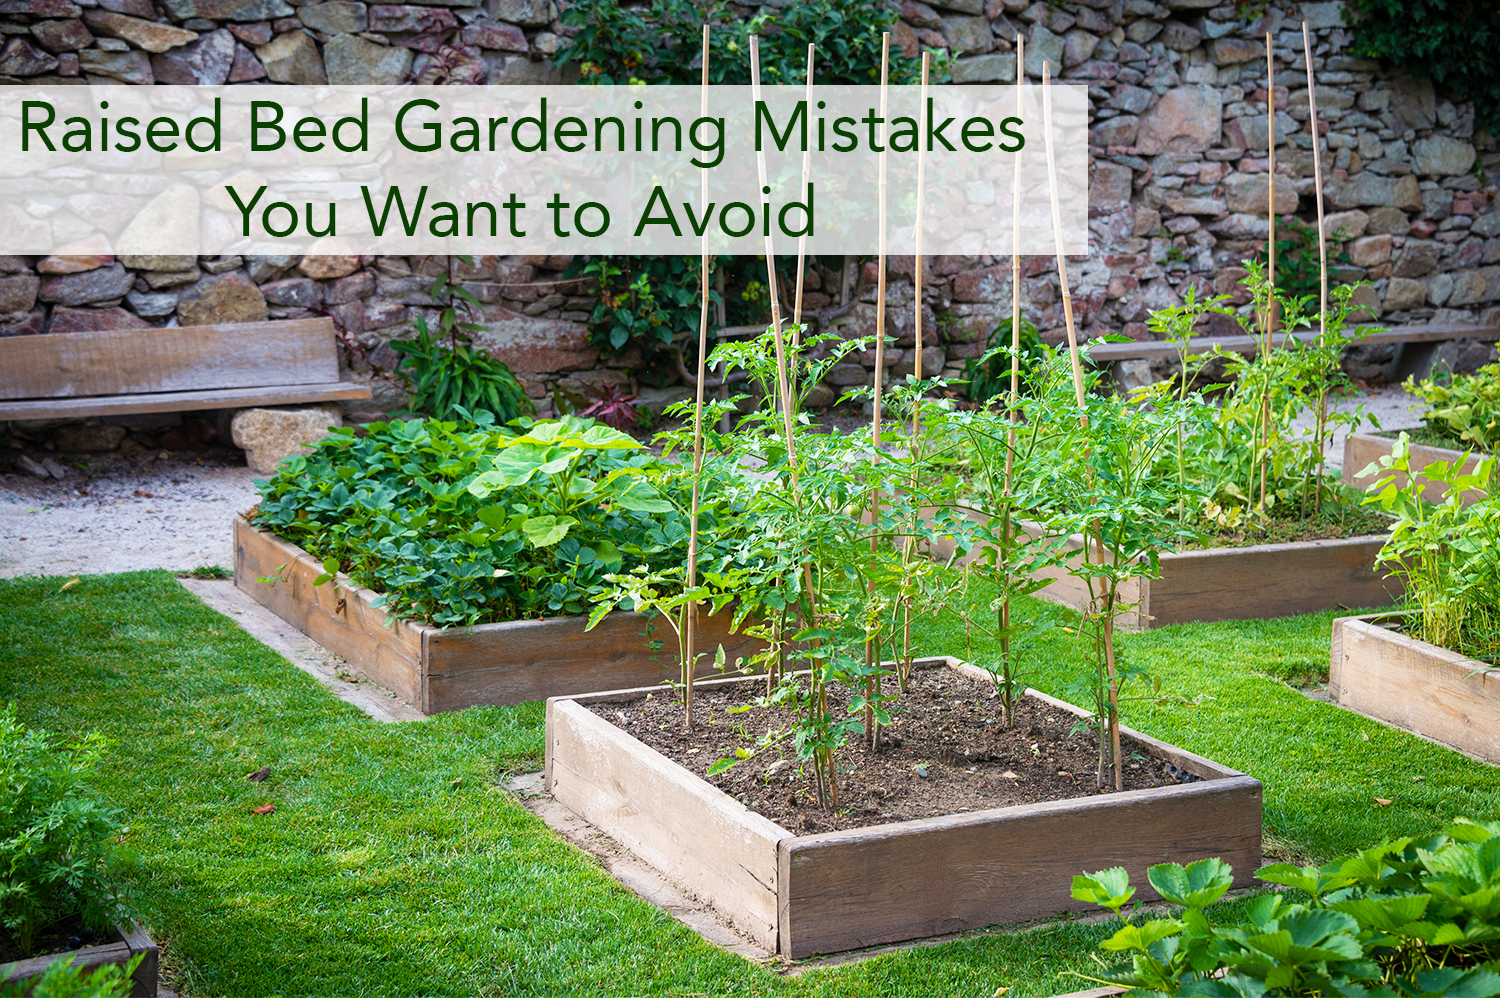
1466,409
66,980
56,844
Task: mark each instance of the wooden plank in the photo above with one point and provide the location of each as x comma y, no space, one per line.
87,958
1155,349
862,887
336,615
1270,580
148,973
1363,449
1407,683
186,358
701,838
221,398
532,659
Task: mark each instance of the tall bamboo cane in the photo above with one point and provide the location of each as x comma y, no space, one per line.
1015,359
802,239
870,645
1265,398
691,624
1312,123
1067,300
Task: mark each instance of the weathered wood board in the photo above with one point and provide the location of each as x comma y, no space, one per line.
133,942
1363,449
711,843
218,398
850,889
187,358
439,669
1249,583
1411,684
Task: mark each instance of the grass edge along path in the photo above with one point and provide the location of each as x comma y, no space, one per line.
394,864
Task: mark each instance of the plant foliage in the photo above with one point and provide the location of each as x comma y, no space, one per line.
57,845
466,525
1408,918
1455,42
66,979
1467,409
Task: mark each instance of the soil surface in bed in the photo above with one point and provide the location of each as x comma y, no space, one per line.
945,752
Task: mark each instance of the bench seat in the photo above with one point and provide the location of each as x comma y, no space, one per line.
1105,353
176,369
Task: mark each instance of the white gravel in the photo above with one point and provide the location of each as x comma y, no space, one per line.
173,514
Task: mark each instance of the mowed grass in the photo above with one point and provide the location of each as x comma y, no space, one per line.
396,865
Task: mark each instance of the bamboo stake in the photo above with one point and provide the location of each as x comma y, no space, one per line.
885,64
904,668
1015,361
1265,398
802,239
691,624
1083,419
1015,273
1312,121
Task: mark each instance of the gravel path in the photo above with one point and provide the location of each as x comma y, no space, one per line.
173,514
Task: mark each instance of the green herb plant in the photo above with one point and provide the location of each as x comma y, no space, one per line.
454,380
1446,554
66,979
1465,408
58,847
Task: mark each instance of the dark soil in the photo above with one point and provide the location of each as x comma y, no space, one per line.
59,937
945,753
1342,516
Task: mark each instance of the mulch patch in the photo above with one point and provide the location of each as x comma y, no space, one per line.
945,752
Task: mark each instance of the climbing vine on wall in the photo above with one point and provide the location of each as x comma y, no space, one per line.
1455,42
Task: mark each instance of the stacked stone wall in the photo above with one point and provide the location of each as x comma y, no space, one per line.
1178,192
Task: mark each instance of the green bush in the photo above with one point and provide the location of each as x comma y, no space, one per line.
1466,409
459,526
1408,917
57,845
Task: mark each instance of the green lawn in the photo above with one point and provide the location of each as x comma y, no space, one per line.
394,864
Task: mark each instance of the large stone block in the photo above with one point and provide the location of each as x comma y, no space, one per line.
293,58
1370,189
1403,293
205,62
535,344
994,67
1441,156
1251,192
1370,251
970,35
1346,224
226,297
356,62
18,293
270,436
102,284
1186,119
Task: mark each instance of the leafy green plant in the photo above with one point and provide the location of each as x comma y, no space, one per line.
988,375
65,979
617,44
57,845
1455,44
1297,268
647,301
454,380
1409,917
1465,408
1445,553
469,525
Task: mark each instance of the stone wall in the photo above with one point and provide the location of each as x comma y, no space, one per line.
1178,193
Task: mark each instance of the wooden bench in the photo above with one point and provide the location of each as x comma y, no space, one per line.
1415,345
230,366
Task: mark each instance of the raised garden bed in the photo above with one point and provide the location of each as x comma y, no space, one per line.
132,941
438,669
1428,690
1247,583
1363,449
842,890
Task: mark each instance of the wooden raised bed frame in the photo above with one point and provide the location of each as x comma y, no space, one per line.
1363,449
836,891
133,942
437,669
1248,583
1407,683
